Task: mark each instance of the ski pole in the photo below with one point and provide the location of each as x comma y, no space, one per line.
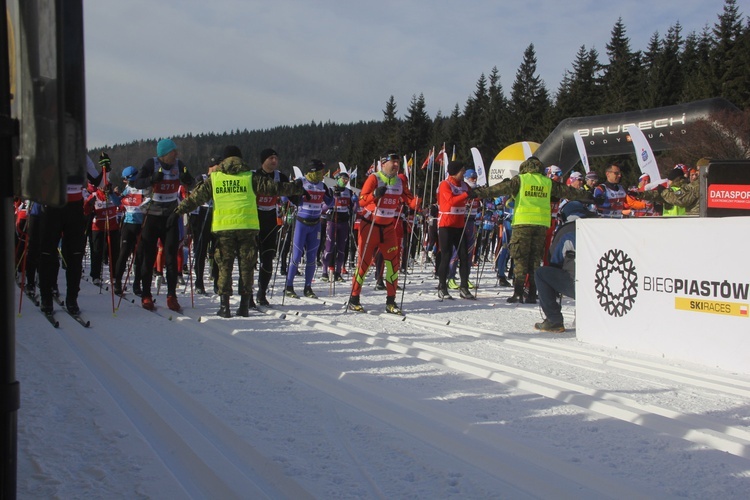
200,239
408,252
127,277
484,261
334,247
109,244
109,253
280,244
190,272
291,254
361,253
23,272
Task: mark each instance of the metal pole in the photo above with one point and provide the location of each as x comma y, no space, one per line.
10,394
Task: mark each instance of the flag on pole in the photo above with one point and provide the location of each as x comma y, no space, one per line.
429,160
407,168
442,160
342,168
441,157
297,172
352,177
479,167
581,151
643,152
453,156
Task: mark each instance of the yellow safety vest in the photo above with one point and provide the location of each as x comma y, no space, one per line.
533,201
234,202
674,210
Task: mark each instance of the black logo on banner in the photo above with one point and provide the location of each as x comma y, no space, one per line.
616,283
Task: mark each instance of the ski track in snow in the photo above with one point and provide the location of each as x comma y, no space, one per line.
458,399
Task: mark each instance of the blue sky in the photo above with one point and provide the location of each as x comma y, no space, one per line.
161,68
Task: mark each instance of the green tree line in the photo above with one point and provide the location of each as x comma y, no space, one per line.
675,68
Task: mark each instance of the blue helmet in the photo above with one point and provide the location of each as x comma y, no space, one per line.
129,173
470,174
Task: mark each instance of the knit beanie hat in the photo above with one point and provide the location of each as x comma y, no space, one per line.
267,153
455,167
675,173
164,147
315,166
232,151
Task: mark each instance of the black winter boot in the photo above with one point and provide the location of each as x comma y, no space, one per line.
517,294
246,302
46,304
531,298
71,304
224,311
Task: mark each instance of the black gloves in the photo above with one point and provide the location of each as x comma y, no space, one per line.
338,190
660,188
298,184
471,194
185,176
379,192
157,176
172,219
105,162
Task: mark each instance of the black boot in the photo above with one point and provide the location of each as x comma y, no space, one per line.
245,304
71,304
517,294
531,298
224,311
46,304
464,293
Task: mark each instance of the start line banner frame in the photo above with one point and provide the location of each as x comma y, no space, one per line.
677,287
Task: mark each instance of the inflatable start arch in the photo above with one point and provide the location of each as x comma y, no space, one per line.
606,135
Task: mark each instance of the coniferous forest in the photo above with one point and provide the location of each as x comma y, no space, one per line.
676,67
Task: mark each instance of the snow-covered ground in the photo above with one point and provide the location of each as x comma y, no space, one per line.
461,400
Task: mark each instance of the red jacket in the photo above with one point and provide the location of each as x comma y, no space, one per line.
387,208
452,198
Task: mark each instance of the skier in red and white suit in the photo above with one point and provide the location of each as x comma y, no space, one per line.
381,198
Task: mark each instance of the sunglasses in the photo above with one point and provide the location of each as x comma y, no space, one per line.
393,157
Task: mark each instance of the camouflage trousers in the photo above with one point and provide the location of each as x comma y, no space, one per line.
243,245
527,250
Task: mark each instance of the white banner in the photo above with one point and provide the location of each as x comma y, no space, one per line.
659,286
479,167
643,153
581,151
297,172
